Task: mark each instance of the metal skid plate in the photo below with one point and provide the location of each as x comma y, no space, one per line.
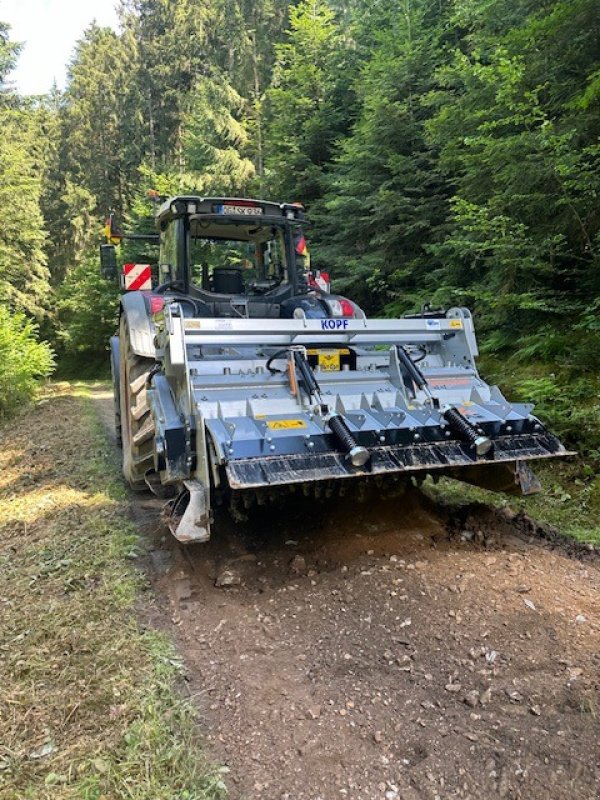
192,524
252,473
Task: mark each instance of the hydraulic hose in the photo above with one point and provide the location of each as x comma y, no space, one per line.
356,453
307,376
409,365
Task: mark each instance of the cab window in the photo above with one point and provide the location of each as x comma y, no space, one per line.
168,253
224,264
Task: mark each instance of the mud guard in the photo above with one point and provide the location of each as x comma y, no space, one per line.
139,324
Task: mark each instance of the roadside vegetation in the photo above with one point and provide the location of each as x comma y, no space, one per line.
90,707
569,501
24,360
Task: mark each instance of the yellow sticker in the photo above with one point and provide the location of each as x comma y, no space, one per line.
329,360
284,424
193,324
456,323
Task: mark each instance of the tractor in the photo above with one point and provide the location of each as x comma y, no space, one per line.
239,376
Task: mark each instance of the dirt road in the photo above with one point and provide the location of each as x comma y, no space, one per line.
374,651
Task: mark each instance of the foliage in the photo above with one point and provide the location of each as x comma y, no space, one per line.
306,107
87,308
8,56
24,277
216,139
384,198
522,155
24,361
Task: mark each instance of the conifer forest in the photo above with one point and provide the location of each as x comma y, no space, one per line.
447,152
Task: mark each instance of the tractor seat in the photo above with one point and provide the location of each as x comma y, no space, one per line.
227,280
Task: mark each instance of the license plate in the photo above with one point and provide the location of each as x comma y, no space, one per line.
241,211
329,360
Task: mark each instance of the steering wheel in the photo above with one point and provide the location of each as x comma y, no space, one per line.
263,287
164,287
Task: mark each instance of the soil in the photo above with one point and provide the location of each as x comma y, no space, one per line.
386,649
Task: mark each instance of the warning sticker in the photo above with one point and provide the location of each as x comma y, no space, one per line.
329,360
138,277
456,323
285,424
312,351
449,382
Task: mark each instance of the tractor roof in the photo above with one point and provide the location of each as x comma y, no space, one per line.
234,208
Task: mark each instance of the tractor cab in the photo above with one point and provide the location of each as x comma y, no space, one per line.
227,257
232,257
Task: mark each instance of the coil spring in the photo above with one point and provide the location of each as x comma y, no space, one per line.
461,426
342,433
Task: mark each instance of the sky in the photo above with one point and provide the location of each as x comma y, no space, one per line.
49,30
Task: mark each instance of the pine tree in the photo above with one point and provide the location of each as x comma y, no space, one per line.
385,199
519,140
23,273
216,140
307,109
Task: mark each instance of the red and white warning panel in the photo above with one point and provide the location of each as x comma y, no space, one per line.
138,277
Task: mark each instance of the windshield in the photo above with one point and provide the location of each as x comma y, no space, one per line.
228,259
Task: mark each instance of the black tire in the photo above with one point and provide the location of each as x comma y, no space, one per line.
137,425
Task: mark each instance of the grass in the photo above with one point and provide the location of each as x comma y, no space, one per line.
570,496
89,706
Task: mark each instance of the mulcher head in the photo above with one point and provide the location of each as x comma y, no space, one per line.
302,401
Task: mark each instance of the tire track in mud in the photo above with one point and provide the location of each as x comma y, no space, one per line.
388,649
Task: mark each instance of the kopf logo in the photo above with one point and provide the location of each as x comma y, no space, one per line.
334,324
